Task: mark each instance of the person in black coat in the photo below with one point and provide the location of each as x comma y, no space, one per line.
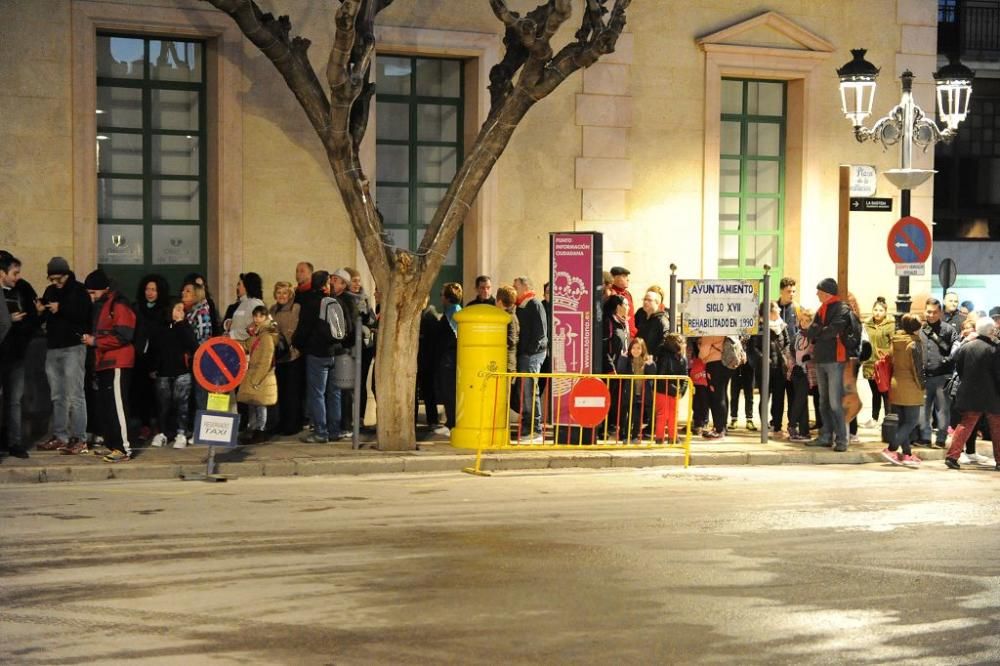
446,346
19,306
978,366
152,315
425,366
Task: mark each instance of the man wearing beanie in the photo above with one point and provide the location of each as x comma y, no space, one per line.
830,354
65,311
114,357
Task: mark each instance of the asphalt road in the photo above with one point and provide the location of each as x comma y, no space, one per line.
776,565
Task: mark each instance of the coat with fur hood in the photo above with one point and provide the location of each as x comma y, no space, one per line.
260,387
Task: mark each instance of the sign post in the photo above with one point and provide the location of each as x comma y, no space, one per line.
219,366
574,327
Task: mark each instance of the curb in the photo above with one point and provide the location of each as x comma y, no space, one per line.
394,462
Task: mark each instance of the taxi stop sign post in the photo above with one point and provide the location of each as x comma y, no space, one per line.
219,366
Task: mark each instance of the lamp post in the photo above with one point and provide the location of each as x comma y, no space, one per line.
905,124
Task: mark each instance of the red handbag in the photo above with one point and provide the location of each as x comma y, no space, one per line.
883,373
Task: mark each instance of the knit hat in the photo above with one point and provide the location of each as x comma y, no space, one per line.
58,266
343,275
828,286
994,312
96,281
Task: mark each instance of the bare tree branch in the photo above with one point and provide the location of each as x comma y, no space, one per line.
289,56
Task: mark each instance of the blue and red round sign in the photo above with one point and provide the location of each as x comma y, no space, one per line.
219,364
909,241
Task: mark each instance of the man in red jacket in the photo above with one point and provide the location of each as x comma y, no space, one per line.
114,358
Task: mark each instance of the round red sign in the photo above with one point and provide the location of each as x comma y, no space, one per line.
589,402
219,364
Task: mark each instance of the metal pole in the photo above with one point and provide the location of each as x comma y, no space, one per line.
765,355
906,158
356,415
673,297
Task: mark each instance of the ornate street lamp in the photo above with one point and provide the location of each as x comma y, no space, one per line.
905,124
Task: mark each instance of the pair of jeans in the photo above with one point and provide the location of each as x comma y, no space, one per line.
173,401
531,400
830,378
256,417
65,370
12,386
909,420
323,397
936,400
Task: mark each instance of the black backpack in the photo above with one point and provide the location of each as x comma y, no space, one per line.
851,337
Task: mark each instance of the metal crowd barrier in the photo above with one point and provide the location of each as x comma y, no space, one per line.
636,419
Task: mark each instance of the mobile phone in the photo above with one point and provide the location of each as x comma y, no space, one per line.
43,301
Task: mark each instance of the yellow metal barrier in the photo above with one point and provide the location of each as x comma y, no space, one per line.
637,419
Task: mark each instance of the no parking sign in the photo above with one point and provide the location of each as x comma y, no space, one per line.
220,364
909,245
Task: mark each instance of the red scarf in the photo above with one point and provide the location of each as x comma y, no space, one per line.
821,315
303,288
525,296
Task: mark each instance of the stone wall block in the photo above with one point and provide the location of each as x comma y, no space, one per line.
603,111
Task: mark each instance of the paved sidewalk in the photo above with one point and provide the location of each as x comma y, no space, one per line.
287,457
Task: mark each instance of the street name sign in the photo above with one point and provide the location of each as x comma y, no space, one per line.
871,204
863,180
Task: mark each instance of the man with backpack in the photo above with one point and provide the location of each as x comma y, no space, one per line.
325,331
827,333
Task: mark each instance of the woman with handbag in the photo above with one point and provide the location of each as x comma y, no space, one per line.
880,329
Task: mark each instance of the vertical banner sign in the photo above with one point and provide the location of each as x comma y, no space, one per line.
574,280
719,307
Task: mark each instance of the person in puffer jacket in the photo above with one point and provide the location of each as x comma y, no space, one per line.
114,359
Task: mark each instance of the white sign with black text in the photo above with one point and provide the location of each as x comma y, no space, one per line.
720,307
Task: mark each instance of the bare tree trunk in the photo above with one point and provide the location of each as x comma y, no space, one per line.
396,365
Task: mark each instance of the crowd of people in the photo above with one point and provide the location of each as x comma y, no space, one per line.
121,371
939,373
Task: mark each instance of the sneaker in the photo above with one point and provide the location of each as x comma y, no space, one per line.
941,445
925,443
891,456
870,423
116,456
19,453
180,441
74,447
819,442
798,438
442,430
732,423
854,439
964,459
978,459
537,439
51,444
711,434
951,463
312,439
159,440
751,426
910,461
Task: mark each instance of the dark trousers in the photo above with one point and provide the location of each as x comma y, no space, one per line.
291,378
777,386
718,380
700,405
142,394
798,409
367,357
741,380
112,407
426,386
878,399
445,390
12,387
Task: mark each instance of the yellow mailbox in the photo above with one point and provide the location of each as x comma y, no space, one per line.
481,398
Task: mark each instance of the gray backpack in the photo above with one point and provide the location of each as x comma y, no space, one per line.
733,353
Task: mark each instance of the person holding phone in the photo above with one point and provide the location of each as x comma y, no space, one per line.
65,309
18,300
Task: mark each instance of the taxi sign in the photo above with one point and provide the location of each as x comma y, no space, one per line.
589,402
219,364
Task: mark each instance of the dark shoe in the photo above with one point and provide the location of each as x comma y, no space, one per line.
925,443
19,453
941,445
313,439
951,463
711,434
840,448
75,447
818,442
259,437
51,444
